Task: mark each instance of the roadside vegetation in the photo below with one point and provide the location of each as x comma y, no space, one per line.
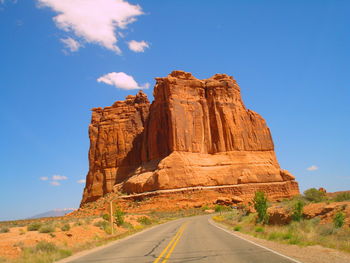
53,247
299,230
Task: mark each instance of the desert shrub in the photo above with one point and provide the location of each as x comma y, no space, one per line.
4,229
222,208
119,216
338,220
261,205
298,210
205,207
104,225
325,230
46,229
65,227
34,226
78,223
237,228
259,229
279,236
106,217
128,225
342,197
144,220
314,195
43,252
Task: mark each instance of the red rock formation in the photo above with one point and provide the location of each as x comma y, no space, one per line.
195,133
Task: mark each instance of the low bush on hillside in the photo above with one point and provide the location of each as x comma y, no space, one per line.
144,220
119,216
65,227
34,226
222,208
4,229
47,228
298,208
342,197
339,219
104,225
106,217
261,205
43,252
314,195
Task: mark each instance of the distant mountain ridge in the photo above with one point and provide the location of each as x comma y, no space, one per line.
54,213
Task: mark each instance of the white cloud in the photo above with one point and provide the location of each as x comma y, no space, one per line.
121,80
71,44
55,183
138,46
312,168
81,181
44,178
95,21
57,177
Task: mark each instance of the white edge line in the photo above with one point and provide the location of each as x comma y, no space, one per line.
89,251
230,232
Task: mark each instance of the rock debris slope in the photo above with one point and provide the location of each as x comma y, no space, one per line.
195,133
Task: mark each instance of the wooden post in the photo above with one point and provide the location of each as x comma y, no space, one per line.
111,216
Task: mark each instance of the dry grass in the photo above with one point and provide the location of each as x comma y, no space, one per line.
45,252
303,233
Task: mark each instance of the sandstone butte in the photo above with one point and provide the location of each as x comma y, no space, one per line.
195,133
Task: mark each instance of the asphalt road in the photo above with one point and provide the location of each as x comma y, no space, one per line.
192,239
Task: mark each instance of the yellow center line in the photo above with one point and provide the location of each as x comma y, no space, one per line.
170,243
174,245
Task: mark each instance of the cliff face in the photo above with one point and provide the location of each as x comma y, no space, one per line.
195,133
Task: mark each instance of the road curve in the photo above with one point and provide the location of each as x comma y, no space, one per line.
192,239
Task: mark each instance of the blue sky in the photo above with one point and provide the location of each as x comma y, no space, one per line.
291,59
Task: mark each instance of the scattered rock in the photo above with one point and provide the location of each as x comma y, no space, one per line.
279,216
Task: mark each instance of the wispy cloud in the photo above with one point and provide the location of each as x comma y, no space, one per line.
312,168
71,44
44,178
94,21
57,177
81,181
138,46
55,183
121,80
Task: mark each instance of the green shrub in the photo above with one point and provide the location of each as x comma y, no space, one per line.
298,210
65,227
261,205
44,246
34,226
106,217
338,220
47,229
205,207
104,225
342,197
237,228
4,229
44,252
326,230
222,208
119,216
259,229
314,195
144,220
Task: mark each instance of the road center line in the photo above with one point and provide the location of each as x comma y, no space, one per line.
170,243
174,245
